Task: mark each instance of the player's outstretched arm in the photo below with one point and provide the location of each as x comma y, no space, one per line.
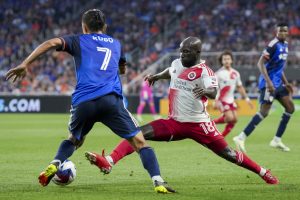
20,71
288,86
264,72
242,91
162,75
208,92
122,66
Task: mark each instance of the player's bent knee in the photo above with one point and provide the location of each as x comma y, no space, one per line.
264,114
233,120
148,132
77,143
229,154
138,142
290,110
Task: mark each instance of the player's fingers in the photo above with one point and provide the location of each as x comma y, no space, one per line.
9,75
23,75
147,77
151,83
15,78
198,90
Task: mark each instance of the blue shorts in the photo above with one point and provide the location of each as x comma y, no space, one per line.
267,98
109,110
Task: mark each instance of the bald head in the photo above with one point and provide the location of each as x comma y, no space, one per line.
192,42
190,50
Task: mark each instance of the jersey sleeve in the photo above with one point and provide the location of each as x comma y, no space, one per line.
269,50
172,68
209,78
70,44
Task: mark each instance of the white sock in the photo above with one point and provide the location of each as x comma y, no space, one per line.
110,160
56,161
242,136
277,139
157,178
262,171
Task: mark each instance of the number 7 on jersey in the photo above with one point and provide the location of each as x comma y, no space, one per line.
106,57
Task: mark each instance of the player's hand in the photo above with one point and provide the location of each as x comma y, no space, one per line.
270,87
250,104
216,104
289,87
16,73
198,92
122,69
151,79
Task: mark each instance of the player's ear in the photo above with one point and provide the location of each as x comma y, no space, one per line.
84,28
104,28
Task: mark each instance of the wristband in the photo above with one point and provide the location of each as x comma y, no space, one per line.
247,99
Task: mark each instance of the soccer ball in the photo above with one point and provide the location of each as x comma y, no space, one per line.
65,174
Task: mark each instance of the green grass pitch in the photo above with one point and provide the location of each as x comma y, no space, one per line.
29,142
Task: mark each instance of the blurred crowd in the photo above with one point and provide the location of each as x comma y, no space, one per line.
146,28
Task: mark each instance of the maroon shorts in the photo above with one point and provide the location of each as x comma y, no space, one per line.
204,133
227,106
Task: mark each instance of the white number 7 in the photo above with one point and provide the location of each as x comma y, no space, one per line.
106,57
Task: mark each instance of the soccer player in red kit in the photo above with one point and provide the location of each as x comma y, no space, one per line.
192,83
229,79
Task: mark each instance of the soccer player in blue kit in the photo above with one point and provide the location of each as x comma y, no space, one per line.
97,96
273,85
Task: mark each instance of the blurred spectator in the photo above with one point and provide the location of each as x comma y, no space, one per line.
148,28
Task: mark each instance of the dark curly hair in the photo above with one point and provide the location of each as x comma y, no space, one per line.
225,53
94,19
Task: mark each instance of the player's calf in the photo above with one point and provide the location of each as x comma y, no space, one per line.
244,161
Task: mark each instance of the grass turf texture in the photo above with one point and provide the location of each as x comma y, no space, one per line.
29,142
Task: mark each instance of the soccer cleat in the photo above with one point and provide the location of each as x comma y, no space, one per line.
240,144
162,187
47,175
269,178
279,145
99,161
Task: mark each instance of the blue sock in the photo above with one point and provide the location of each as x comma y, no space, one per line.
65,151
284,121
253,123
149,161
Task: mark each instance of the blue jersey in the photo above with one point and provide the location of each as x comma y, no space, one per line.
275,54
97,58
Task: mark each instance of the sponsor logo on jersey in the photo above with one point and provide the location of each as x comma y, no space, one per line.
192,75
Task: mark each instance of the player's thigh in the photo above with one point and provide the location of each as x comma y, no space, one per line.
287,103
235,115
204,132
82,119
117,117
284,98
219,146
229,116
163,130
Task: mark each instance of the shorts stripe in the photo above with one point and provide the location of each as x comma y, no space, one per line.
260,115
131,116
